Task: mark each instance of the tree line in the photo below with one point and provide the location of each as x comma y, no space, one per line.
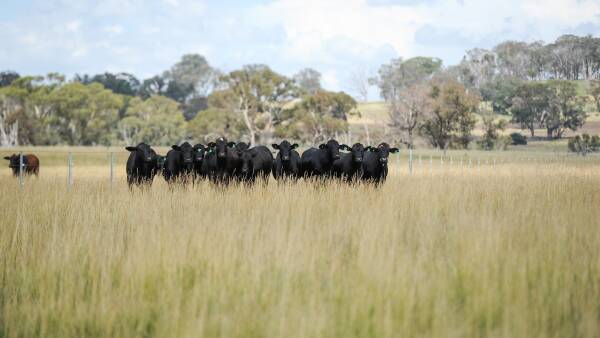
531,83
190,100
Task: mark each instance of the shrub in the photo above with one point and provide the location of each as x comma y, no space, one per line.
584,144
518,139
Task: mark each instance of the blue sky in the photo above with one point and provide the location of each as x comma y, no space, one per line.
336,37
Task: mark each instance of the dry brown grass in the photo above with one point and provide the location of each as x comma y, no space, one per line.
512,251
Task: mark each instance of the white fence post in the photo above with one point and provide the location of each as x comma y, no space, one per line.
430,165
21,165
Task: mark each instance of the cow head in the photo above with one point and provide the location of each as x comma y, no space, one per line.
220,146
246,157
357,151
13,160
383,151
145,151
160,162
187,152
333,149
199,152
285,149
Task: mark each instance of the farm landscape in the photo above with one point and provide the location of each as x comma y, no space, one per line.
331,186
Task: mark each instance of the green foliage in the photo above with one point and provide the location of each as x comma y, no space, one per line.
215,122
85,115
193,76
309,80
7,77
258,94
530,104
156,121
566,109
584,144
121,83
491,138
318,117
518,139
451,120
500,92
595,92
401,73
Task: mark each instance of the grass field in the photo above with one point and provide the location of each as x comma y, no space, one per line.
375,116
511,250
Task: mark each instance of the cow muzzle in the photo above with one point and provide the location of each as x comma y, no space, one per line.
383,160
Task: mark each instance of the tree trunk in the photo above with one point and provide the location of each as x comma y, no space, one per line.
245,113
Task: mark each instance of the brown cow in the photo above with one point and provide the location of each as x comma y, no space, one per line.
31,164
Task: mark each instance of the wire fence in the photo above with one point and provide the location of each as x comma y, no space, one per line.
407,162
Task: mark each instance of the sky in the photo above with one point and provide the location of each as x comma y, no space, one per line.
335,37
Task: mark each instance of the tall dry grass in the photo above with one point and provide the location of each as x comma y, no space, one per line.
506,252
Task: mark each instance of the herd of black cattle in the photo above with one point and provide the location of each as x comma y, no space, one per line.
223,162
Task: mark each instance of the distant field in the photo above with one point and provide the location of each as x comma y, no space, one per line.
374,115
463,247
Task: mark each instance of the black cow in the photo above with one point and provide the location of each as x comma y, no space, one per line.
349,166
255,163
199,155
179,163
240,146
287,163
142,164
319,162
221,161
31,164
375,168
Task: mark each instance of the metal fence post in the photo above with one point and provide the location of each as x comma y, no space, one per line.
21,164
69,171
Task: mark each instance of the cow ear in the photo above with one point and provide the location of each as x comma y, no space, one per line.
295,145
131,148
394,150
7,158
322,146
344,147
231,144
211,145
275,146
176,147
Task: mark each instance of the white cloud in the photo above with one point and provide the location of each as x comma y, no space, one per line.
333,36
114,29
311,26
73,26
330,79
